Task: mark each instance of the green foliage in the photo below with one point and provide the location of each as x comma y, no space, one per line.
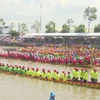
14,33
90,15
19,27
69,22
65,28
23,28
50,27
97,28
2,22
12,25
36,26
80,29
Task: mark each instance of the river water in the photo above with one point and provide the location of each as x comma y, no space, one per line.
21,88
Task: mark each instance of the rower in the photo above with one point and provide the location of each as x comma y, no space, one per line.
85,76
28,71
57,76
23,70
49,76
69,76
81,74
37,73
54,75
95,76
92,76
32,72
62,76
43,74
75,74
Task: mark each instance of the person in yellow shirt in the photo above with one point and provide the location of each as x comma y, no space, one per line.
85,76
49,76
43,74
32,72
81,73
54,75
64,78
95,76
57,77
75,74
62,75
92,76
37,73
28,71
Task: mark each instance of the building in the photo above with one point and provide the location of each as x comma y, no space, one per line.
4,31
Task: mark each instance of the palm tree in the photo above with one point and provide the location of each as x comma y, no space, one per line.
90,15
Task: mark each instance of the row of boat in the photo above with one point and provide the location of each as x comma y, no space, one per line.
70,82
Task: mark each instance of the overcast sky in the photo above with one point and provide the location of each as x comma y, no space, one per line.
28,11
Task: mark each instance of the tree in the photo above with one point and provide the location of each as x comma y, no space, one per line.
50,27
14,33
69,22
12,25
80,29
36,26
90,15
65,29
2,22
19,27
23,27
97,28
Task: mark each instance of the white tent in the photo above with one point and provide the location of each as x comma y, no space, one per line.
29,36
63,34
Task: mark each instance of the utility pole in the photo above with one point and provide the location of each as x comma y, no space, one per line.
40,17
19,27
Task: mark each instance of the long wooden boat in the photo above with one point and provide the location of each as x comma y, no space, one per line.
70,82
80,83
87,84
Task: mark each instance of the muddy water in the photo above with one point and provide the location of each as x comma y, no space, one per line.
21,88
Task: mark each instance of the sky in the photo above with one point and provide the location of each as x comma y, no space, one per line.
58,11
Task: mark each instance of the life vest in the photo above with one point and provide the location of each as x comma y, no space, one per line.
85,76
95,75
28,72
57,77
37,74
64,78
75,74
43,74
32,73
81,74
91,73
49,76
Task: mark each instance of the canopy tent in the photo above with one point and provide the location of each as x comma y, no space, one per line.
63,34
60,37
28,36
32,36
94,37
54,37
